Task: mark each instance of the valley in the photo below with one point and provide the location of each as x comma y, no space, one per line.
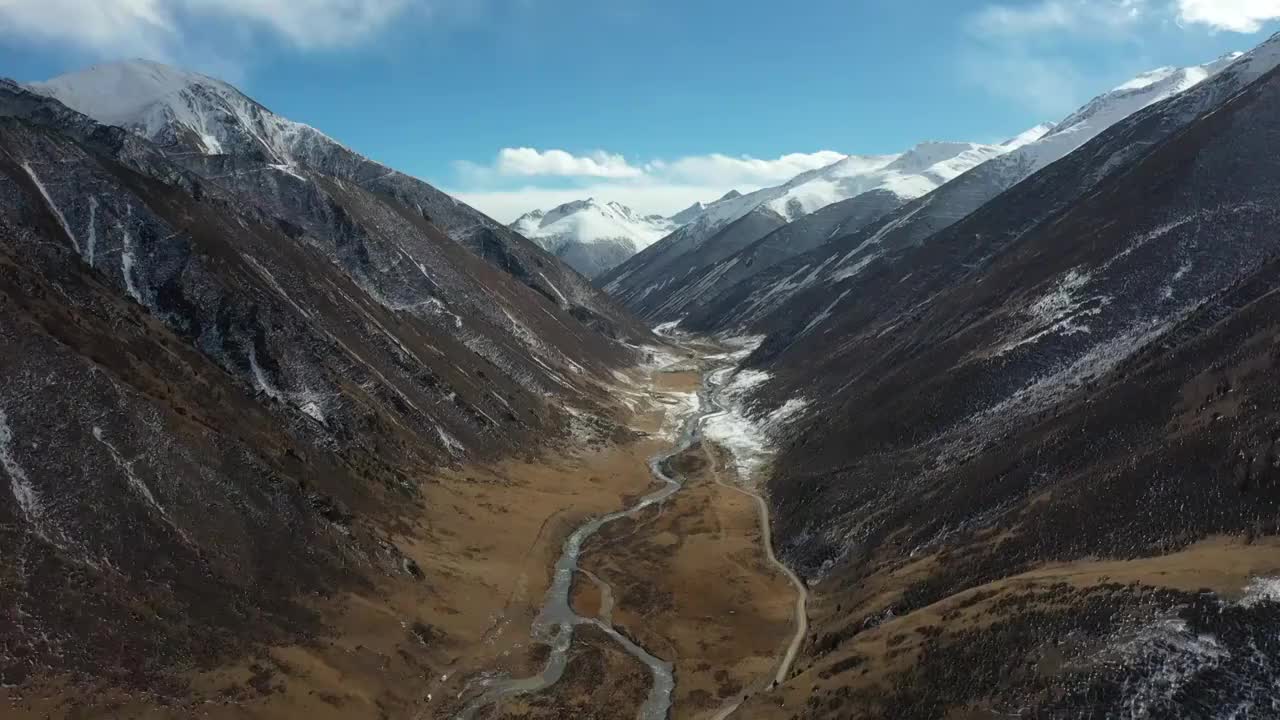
973,430
687,577
676,598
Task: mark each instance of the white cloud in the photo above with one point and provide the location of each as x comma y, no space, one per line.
1057,16
660,186
724,169
1242,16
528,162
1030,52
712,169
1050,86
99,26
161,28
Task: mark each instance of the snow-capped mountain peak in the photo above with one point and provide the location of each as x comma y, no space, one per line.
591,236
181,109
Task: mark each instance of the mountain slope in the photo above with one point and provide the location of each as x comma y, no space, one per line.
843,249
590,237
230,382
661,281
197,120
1039,445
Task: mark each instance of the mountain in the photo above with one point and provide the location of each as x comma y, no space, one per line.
212,128
658,282
742,290
238,359
1039,443
1027,137
590,237
689,214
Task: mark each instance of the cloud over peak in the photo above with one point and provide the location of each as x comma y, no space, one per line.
546,178
530,162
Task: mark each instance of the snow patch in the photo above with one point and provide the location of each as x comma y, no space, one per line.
451,443
1175,655
749,439
1058,312
23,491
1261,590
667,329
679,407
127,262
92,231
260,378
53,207
135,483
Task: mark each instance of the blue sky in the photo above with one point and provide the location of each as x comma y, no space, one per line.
515,104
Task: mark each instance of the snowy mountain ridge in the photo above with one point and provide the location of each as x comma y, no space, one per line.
592,237
164,104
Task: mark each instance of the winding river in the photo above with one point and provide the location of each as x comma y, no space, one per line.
557,621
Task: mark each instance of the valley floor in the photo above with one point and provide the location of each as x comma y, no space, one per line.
689,580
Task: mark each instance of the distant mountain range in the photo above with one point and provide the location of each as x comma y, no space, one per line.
595,238
874,185
701,273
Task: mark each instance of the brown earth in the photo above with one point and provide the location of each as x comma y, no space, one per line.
483,543
693,586
691,581
860,678
601,682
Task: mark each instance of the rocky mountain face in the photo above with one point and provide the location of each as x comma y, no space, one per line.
718,293
233,351
210,126
591,237
1039,444
660,283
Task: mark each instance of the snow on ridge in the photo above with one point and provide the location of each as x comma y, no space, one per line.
588,222
156,100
